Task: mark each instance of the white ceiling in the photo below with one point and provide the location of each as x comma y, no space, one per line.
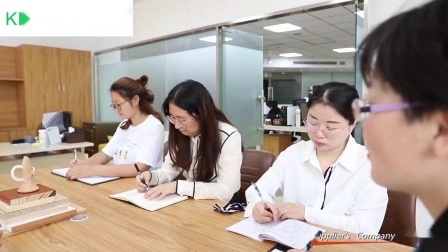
322,31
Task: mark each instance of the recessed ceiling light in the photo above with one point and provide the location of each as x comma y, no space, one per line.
282,27
288,55
212,39
345,50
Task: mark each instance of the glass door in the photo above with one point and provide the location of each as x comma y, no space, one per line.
359,35
240,80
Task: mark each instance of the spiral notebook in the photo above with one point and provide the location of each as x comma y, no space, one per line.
292,233
94,180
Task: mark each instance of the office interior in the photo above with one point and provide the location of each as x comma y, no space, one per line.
233,55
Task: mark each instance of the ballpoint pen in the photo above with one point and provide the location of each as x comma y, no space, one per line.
142,179
259,194
76,157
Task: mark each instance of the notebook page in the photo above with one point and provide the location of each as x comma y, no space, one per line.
252,229
292,233
127,196
151,205
93,180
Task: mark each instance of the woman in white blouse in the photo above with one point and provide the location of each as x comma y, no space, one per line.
203,146
326,180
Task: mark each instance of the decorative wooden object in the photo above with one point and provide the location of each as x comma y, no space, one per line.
28,185
13,198
28,190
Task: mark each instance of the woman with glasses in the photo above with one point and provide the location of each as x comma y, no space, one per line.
137,144
404,62
325,180
203,146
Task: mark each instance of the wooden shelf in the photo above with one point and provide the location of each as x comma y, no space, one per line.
10,79
2,129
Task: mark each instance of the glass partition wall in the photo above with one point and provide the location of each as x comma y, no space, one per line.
359,10
231,63
166,63
194,56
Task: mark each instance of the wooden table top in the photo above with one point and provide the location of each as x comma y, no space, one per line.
114,225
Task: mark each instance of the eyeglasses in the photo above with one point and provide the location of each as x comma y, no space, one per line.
117,106
361,108
327,131
181,123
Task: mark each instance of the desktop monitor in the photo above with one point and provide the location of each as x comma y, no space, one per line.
297,102
60,119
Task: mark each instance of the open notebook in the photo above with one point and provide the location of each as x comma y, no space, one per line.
292,233
94,180
136,198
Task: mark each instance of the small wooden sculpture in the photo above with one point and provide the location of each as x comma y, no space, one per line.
28,185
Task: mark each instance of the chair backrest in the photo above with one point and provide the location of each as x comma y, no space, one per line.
400,218
255,164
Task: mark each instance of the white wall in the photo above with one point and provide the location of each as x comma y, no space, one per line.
155,19
378,11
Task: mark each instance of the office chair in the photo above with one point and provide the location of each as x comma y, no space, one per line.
255,164
400,218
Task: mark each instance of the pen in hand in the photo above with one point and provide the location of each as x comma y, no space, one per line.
76,157
142,179
262,199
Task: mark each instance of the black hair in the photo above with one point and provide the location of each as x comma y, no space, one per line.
339,96
409,52
194,98
127,88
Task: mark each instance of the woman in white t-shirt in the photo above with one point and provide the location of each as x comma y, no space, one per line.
203,146
326,180
137,141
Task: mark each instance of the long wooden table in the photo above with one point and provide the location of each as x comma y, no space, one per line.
113,225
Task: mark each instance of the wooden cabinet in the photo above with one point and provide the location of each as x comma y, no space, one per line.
276,143
12,97
37,79
76,85
57,80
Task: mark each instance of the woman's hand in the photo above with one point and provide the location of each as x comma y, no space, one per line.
138,182
76,162
261,215
160,191
79,171
291,211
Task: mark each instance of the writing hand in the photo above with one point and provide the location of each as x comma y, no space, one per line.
141,187
261,215
78,171
291,211
160,191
